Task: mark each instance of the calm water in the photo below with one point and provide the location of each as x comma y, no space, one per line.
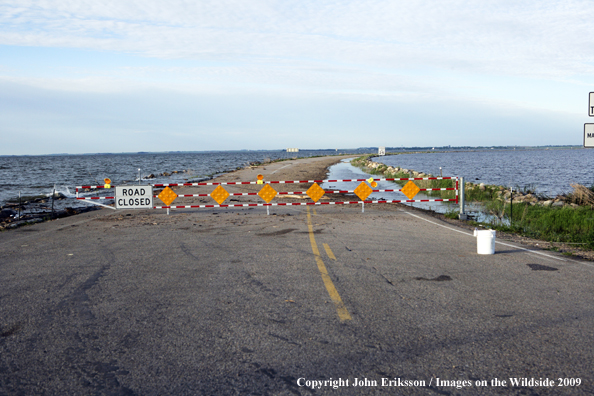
37,175
549,172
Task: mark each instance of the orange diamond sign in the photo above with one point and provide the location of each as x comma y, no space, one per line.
363,191
267,193
219,194
410,189
315,192
167,196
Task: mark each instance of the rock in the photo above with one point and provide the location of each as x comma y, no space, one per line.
548,202
557,204
7,213
482,186
575,206
151,176
165,174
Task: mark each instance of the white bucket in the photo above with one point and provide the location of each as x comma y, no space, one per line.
485,241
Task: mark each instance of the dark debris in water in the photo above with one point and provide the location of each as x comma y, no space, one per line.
540,267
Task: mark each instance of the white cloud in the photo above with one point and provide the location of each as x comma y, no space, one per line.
332,67
518,38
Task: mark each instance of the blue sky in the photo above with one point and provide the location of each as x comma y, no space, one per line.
116,76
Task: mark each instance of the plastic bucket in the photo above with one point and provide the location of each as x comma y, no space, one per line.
485,241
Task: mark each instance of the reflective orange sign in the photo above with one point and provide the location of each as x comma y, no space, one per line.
410,189
315,192
267,193
219,194
363,191
167,196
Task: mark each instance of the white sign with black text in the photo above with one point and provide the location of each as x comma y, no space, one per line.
589,135
134,197
591,105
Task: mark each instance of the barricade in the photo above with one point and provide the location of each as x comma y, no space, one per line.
268,193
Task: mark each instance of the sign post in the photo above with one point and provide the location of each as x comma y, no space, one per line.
134,197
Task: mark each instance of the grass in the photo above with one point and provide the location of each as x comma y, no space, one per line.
452,214
554,224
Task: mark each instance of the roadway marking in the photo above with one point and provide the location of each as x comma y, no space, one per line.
280,168
343,313
500,243
329,251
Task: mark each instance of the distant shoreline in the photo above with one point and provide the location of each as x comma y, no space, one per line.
359,150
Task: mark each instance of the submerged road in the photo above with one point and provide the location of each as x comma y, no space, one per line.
303,301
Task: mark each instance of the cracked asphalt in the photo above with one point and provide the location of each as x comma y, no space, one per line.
235,301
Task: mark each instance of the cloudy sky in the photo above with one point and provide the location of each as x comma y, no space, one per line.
82,76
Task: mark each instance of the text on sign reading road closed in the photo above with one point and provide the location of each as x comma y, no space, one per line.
140,197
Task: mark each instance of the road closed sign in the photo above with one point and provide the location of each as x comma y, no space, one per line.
134,197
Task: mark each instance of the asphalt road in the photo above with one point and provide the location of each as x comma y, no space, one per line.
223,302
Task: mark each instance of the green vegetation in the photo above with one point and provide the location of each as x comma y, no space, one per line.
451,214
473,192
554,224
385,171
572,222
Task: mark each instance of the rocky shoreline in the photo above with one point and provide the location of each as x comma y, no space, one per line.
39,208
496,192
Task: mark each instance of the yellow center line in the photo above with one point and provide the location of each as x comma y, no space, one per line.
343,313
329,251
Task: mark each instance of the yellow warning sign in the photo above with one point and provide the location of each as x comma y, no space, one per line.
167,196
315,192
267,193
363,191
219,194
410,189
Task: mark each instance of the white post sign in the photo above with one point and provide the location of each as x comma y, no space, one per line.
589,135
381,151
591,105
134,197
